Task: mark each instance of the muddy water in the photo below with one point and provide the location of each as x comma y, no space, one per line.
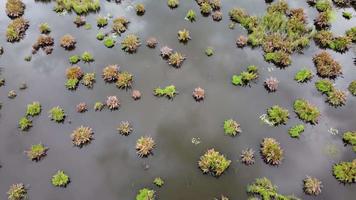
109,168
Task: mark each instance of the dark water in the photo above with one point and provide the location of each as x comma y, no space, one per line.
109,167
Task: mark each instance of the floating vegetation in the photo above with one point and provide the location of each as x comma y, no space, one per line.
151,42
110,73
82,136
68,42
23,86
44,42
352,87
72,84
222,198
125,128
312,186
78,6
112,102
166,52
124,80
168,91
303,75
213,162
345,172
88,80
184,36
87,26
81,107
241,41
120,25
340,44
79,21
145,194
351,33
109,42
349,137
101,21
130,43
209,51
57,114
324,86
44,28
296,130
25,124
74,59
98,106
326,66
263,188
60,179
158,181
33,109
176,59
144,146
14,8
136,94
231,127
205,8
28,58
36,152
248,156
191,16
199,94
12,94
16,29
245,77
74,72
271,84
196,141
217,15
87,57
17,192
336,97
306,111
140,9
271,151
173,3
277,115
100,35
2,82
323,20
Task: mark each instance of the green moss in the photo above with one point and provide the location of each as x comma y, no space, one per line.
158,181
279,58
191,16
78,6
277,115
324,86
100,36
231,127
296,130
101,21
109,42
306,111
351,33
323,5
25,123
169,91
72,83
340,44
98,106
303,75
44,28
33,109
145,194
214,162
74,59
209,51
352,87
60,179
87,57
173,3
57,114
345,172
245,77
36,152
349,137
347,15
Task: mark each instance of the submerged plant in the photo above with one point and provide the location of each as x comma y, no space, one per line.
352,87
145,194
199,94
130,43
36,152
336,97
78,6
14,8
88,79
82,136
110,73
191,16
33,109
173,3
245,77
263,188
16,29
271,151
306,111
68,42
326,66
87,57
312,186
303,75
349,137
125,128
184,35
57,114
271,84
25,124
124,80
277,115
158,181
17,192
296,130
345,172
231,127
213,162
168,91
144,146
248,156
60,179
176,59
112,102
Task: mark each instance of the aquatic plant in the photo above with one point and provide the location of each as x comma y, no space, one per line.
213,162
57,114
352,87
101,21
241,41
140,9
245,77
306,111
112,102
88,79
296,130
67,42
136,94
144,146
87,57
176,59
120,25
248,156
100,35
33,109
199,94
277,115
345,172
145,194
28,58
125,128
166,51
98,106
81,107
124,80
184,35
17,192
12,94
336,97
279,58
263,188
173,3
209,51
340,44
271,151
271,84
158,181
168,91
347,15
205,8
72,83
74,59
130,43
323,20
323,38
110,73
349,137
351,33
323,5
25,124
324,86
44,42
82,136
16,29
79,21
78,6
36,152
303,75
231,127
44,28
191,16
14,8
74,72
312,186
60,179
151,42
217,15
109,42
326,66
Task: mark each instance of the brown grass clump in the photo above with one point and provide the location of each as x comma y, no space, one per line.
217,15
82,107
125,128
82,136
14,8
44,42
16,29
130,43
151,42
166,52
248,157
271,84
124,80
136,94
120,25
113,102
199,94
213,162
241,41
74,72
144,146
110,73
68,42
176,59
326,66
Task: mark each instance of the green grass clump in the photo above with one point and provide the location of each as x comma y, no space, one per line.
347,15
231,127
145,194
36,152
245,77
100,36
349,137
74,59
351,33
214,162
352,87
124,80
78,6
277,115
173,3
303,75
60,179
98,106
279,58
336,97
87,57
101,21
109,42
191,16
209,51
340,44
158,181
57,114
296,130
33,109
130,43
169,91
271,151
72,84
306,111
205,8
25,123
324,86
345,172
44,28
323,5
17,192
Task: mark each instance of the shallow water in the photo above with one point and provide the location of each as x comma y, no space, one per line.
109,167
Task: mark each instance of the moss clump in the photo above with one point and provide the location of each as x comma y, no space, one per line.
168,91
36,152
110,73
245,77
144,146
324,86
326,66
145,194
271,151
124,80
100,36
345,172
57,114
101,21
109,42
60,179
349,137
352,87
231,127
125,128
78,6
176,59
88,80
323,20
306,111
173,3
25,124
209,51
44,28
264,189
140,9
17,192
158,181
191,16
72,84
74,59
68,42
82,136
303,75
277,115
336,97
296,130
120,25
16,29
33,109
130,43
98,106
14,8
347,15
87,57
213,162
184,35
